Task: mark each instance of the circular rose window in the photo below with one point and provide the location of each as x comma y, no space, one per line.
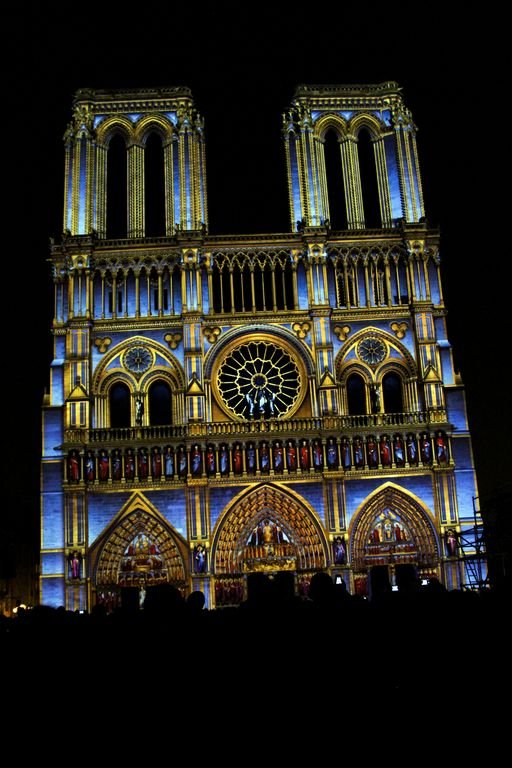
259,379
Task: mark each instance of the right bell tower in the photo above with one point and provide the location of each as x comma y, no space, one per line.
374,131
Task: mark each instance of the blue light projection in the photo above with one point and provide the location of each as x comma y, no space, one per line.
134,116
83,187
98,119
393,179
386,117
172,117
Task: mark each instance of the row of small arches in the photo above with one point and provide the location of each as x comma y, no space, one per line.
372,452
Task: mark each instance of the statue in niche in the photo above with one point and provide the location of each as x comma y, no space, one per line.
103,465
195,460
199,559
117,465
182,462
169,462
318,456
304,454
345,453
143,464
75,565
451,543
278,457
251,458
426,449
237,459
398,448
375,397
372,452
291,456
332,453
156,464
139,411
210,459
129,464
358,453
90,467
385,451
441,449
412,450
339,551
74,467
224,459
264,457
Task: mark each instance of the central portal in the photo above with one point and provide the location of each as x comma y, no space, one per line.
268,530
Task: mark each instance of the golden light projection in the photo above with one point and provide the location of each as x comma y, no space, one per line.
293,540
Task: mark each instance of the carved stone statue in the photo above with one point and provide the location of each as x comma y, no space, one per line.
139,411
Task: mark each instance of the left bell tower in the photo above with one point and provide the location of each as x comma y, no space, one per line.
98,117
127,154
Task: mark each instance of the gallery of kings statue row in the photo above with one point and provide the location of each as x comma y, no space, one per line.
221,405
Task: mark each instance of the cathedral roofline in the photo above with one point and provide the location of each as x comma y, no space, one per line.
307,91
104,95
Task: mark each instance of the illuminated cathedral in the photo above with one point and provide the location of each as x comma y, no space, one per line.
223,405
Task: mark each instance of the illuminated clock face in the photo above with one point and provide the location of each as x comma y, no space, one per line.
138,359
259,379
371,351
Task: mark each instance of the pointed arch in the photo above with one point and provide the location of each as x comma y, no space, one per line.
119,398
392,525
159,402
330,121
346,357
356,394
109,550
112,126
372,124
392,384
153,124
305,546
165,364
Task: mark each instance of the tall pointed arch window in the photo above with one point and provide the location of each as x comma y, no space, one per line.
368,175
117,188
335,182
154,186
160,404
119,402
392,393
356,395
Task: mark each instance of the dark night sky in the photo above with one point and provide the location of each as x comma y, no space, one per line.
242,68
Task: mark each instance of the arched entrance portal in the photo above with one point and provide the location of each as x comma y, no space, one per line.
392,542
138,552
266,530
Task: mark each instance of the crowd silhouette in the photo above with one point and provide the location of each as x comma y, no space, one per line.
396,644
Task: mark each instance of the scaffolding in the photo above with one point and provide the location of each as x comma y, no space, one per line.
472,553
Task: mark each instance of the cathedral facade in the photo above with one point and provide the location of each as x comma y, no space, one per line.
225,405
